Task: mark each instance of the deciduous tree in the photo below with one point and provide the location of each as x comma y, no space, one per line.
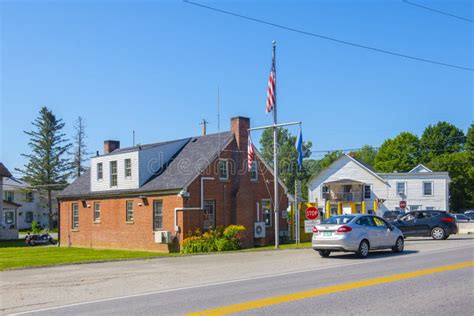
399,154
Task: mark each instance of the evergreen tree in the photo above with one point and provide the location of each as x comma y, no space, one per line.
48,168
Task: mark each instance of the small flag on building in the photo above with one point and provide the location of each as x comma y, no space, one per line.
250,154
271,91
299,149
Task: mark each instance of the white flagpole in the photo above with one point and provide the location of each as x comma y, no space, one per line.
275,157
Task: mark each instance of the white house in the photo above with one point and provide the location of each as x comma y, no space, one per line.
31,205
349,186
8,210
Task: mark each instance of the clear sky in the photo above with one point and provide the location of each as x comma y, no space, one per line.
154,67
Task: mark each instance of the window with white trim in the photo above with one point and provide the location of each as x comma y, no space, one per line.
96,212
254,171
401,188
29,217
267,212
128,167
157,215
325,192
427,188
223,169
367,191
113,174
9,218
129,211
9,196
100,172
75,216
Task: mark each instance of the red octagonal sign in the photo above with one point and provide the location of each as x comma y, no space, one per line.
403,204
312,212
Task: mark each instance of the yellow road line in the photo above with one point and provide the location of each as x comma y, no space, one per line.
328,290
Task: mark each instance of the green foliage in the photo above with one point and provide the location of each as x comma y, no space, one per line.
461,170
399,154
469,145
35,227
440,139
48,167
366,155
218,239
287,155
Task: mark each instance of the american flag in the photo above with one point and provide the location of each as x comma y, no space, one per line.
271,92
250,154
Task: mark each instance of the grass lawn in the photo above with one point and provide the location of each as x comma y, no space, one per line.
14,254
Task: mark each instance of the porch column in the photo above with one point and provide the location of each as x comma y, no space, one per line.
339,208
363,207
328,209
375,206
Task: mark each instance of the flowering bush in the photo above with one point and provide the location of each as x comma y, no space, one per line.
218,239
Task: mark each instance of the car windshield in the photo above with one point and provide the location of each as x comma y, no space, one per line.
338,220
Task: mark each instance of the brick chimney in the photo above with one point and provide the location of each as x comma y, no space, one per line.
110,146
239,125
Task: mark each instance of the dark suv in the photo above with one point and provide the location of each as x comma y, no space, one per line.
437,224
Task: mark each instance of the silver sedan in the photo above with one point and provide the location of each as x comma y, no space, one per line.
357,233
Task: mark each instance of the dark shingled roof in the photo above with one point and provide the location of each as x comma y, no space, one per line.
187,164
4,171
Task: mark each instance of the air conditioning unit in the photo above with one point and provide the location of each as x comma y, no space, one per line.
162,237
259,230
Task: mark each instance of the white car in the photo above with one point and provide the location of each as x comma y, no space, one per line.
357,233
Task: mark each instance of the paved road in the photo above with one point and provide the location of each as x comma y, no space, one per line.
176,286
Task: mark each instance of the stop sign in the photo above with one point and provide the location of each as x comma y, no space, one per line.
311,212
403,204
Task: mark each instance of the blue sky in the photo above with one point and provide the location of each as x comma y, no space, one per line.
154,67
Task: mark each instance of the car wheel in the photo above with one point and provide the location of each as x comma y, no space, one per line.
363,250
438,233
399,245
324,253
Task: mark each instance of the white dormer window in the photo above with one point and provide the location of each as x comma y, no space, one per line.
128,168
113,174
223,169
100,172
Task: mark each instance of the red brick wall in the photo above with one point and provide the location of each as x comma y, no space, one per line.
113,231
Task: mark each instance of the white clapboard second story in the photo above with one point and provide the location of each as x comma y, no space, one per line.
130,168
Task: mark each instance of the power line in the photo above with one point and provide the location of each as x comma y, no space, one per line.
438,11
327,37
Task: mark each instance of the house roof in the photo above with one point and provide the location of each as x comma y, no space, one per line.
141,147
8,204
359,163
180,170
420,168
14,184
4,171
344,181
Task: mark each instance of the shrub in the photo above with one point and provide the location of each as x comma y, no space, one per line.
218,239
35,228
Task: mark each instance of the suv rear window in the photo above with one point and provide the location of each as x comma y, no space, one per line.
338,220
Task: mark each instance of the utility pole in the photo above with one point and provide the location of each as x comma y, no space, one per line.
275,160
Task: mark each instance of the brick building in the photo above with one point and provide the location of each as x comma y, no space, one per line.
151,196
